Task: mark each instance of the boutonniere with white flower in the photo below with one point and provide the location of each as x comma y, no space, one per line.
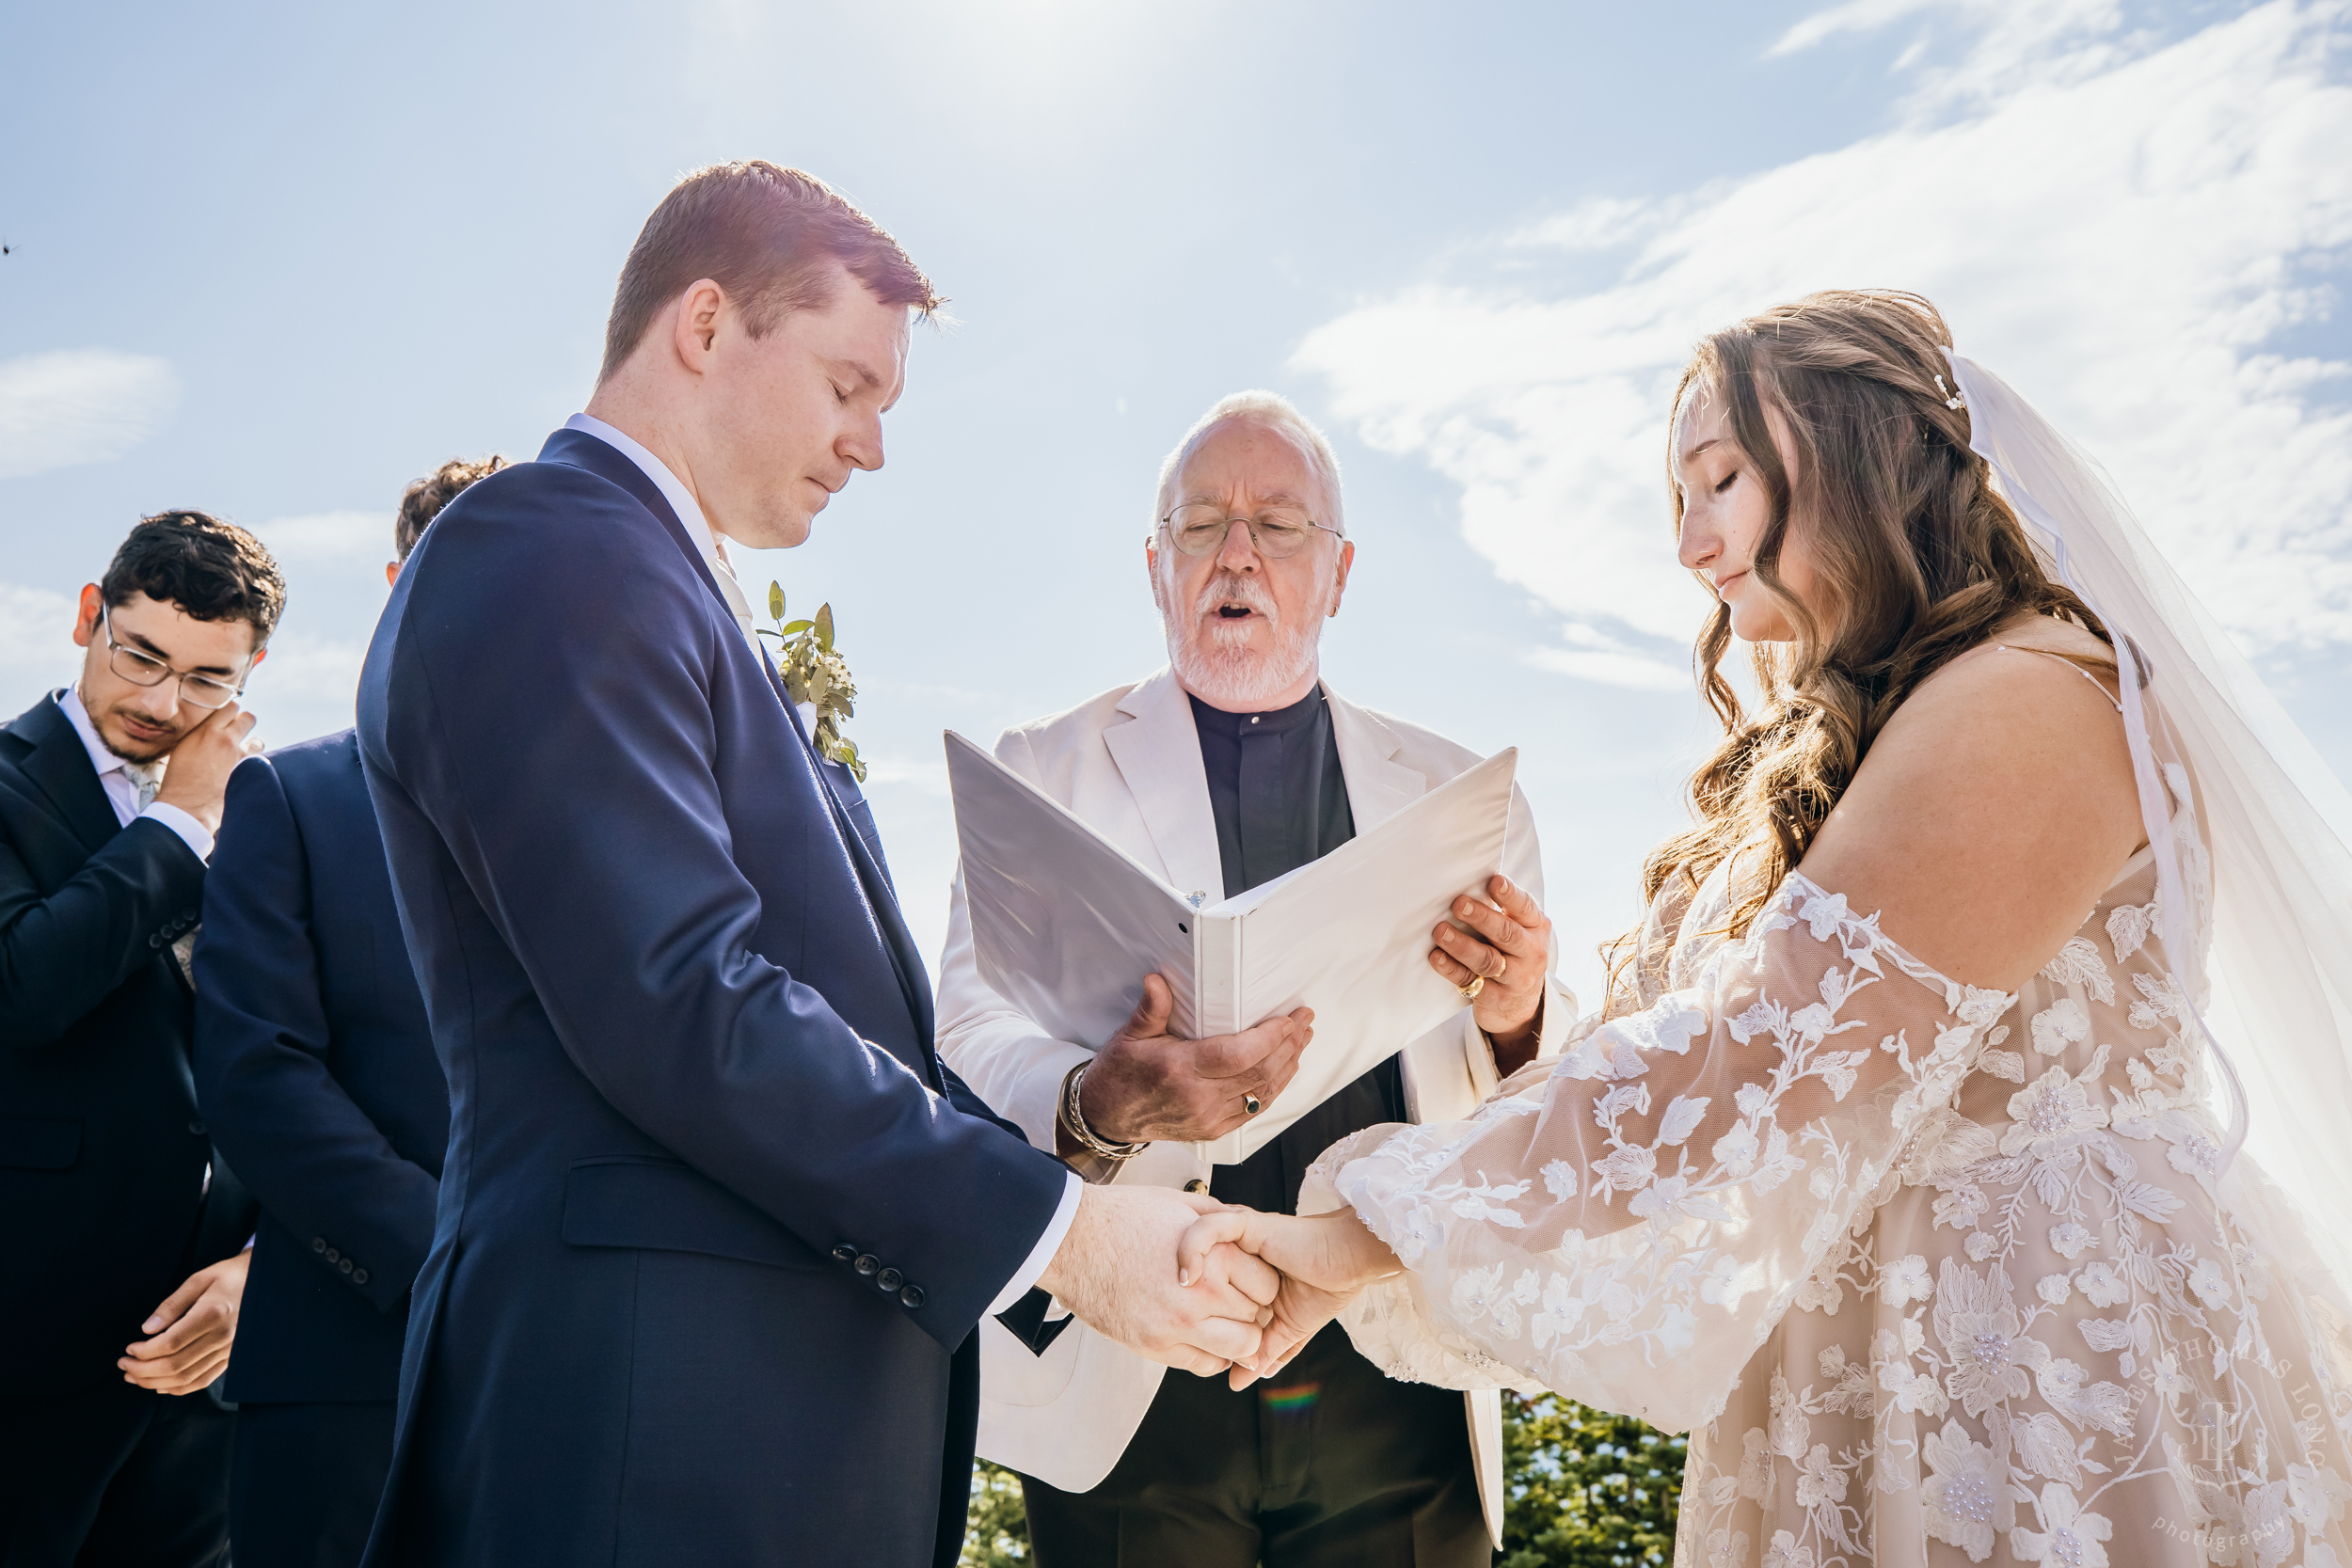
814,673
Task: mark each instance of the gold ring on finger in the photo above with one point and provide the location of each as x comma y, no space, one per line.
1502,967
1470,992
1250,1103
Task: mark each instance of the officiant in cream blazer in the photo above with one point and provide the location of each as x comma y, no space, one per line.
1231,767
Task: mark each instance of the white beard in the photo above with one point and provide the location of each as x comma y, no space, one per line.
1215,661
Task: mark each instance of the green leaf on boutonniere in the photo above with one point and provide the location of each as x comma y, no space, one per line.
814,673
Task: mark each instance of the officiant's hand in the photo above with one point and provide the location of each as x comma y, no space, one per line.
1508,945
1146,1084
1113,1271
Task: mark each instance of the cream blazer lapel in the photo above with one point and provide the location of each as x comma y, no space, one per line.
1378,785
1157,752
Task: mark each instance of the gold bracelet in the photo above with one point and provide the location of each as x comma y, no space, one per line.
1073,1117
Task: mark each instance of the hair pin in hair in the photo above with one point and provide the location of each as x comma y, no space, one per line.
1951,399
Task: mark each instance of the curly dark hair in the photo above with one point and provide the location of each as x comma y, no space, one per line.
1916,556
213,570
423,500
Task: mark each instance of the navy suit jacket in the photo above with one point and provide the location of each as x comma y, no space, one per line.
110,1191
713,1239
315,1068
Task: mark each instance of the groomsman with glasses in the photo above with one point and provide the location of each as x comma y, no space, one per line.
315,1065
122,1230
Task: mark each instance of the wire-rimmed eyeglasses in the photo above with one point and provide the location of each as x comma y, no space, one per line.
1201,529
145,669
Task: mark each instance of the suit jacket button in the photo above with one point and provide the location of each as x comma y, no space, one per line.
867,1262
1196,1185
332,1255
318,1244
155,940
890,1279
912,1296
845,1253
344,1266
358,1277
195,1127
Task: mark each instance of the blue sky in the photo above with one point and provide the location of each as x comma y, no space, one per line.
278,262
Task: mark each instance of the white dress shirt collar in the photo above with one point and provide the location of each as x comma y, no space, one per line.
690,512
114,772
121,779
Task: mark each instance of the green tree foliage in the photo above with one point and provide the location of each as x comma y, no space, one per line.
1583,1489
997,1533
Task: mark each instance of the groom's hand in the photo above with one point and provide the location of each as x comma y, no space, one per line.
1116,1271
1146,1084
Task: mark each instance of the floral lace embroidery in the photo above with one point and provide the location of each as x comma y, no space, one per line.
2013,1299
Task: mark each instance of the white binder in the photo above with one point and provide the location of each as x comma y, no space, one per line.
1065,925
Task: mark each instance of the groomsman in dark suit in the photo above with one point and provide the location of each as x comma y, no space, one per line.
315,1068
122,1230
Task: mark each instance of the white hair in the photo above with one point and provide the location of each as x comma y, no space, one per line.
1272,411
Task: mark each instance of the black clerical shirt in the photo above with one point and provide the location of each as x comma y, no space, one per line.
1280,800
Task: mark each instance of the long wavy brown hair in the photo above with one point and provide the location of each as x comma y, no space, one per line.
1915,559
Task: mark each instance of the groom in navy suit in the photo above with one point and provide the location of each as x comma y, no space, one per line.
715,1225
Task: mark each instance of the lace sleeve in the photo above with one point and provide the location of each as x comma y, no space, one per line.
1627,1228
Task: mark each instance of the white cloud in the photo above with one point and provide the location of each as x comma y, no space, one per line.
929,777
2012,45
79,405
1594,656
1855,16
37,649
303,668
2132,235
330,538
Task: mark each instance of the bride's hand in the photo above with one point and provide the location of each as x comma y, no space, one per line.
1325,1259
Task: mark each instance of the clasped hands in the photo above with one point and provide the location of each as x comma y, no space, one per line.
1249,1288
1210,1288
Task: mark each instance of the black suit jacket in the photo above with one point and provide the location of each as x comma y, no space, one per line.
713,1235
314,1065
110,1191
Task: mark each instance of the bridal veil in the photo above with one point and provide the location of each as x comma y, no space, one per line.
2268,963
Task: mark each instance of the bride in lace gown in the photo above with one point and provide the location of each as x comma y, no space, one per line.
1901,1183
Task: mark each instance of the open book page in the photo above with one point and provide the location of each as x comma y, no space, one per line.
1348,935
1065,925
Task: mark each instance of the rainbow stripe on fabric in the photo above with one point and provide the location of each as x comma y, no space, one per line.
1292,1400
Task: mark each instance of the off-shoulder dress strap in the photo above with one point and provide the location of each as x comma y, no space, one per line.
2086,674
